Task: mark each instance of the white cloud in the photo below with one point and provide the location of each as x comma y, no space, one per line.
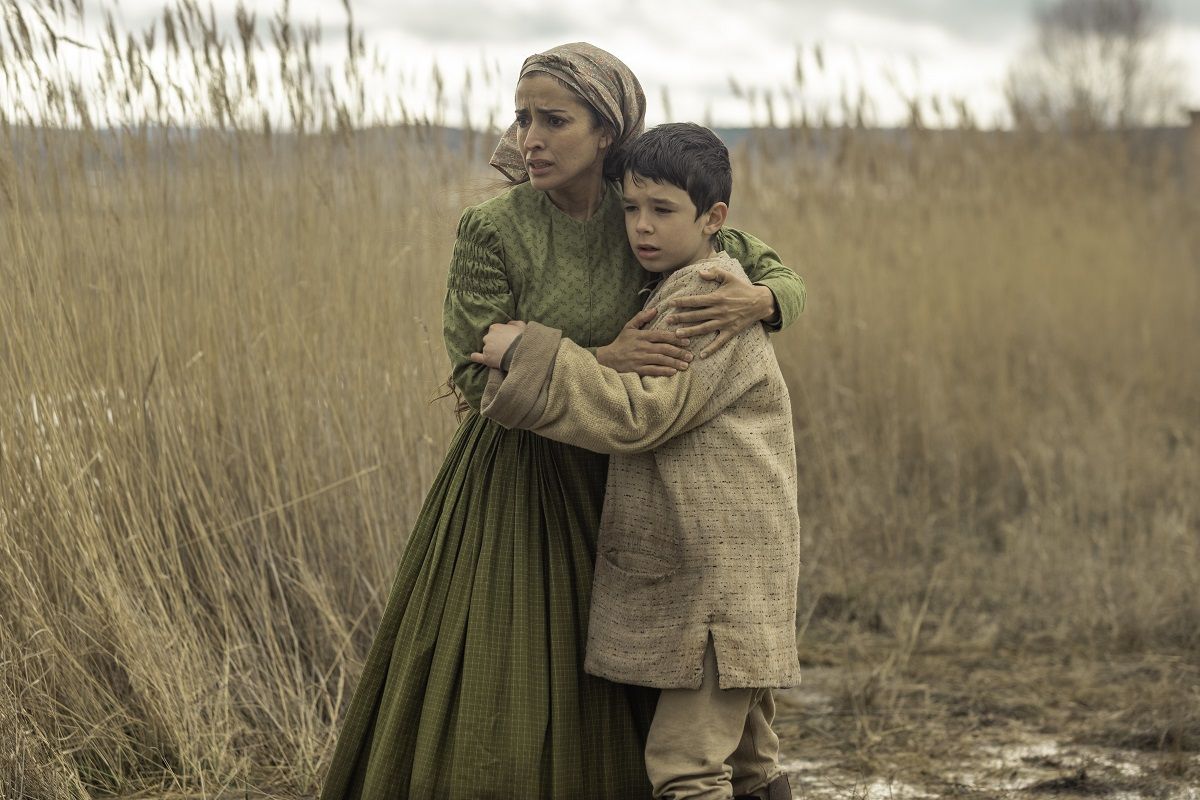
1183,45
689,49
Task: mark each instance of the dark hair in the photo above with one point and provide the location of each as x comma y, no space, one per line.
685,155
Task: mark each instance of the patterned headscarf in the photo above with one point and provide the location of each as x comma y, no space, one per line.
600,79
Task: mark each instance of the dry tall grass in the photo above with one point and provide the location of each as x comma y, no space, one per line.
220,348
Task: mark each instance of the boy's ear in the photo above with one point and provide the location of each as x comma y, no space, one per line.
715,218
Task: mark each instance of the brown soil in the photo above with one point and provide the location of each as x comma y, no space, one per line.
995,727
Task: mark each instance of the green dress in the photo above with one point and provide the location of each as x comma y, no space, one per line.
474,686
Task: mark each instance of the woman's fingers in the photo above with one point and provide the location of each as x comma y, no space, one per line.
641,318
664,337
704,327
715,344
673,346
667,361
684,317
664,346
691,301
655,372
649,353
667,350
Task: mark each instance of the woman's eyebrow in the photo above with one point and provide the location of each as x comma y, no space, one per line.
524,110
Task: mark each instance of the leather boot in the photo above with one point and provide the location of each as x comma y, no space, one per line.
778,789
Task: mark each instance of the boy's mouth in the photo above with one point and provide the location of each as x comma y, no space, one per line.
646,250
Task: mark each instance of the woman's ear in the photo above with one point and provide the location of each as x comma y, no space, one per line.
715,218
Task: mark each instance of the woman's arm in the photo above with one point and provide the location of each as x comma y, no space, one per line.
477,294
776,297
765,268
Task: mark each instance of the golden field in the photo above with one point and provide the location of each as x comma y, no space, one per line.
220,365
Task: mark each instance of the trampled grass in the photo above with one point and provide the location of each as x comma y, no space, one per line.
221,353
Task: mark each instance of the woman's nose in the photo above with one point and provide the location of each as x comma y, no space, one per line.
533,137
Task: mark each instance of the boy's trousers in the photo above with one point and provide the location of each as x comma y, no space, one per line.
712,743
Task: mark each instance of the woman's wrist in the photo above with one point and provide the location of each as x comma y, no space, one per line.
768,307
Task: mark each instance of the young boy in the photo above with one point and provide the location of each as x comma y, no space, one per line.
698,551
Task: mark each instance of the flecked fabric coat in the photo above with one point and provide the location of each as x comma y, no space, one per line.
699,534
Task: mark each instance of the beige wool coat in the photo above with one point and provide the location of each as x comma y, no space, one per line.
699,535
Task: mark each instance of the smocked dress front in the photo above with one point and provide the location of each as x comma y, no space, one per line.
474,686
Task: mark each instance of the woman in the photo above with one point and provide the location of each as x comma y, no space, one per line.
474,686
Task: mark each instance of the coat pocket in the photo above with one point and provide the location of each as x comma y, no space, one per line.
639,566
630,596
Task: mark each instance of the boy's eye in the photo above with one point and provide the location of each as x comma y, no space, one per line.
630,209
662,210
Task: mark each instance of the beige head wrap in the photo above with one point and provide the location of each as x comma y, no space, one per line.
600,79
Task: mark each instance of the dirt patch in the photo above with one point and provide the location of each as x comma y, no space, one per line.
949,726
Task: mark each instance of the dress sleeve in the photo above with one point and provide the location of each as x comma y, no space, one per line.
478,293
763,266
558,390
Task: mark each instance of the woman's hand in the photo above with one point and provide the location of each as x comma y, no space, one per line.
496,342
732,308
648,353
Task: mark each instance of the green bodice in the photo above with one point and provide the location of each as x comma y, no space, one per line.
517,256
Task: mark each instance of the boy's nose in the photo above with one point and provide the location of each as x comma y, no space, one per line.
643,225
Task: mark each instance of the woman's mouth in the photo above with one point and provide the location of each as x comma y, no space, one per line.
538,166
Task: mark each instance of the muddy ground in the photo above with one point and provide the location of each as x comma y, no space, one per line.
873,722
989,726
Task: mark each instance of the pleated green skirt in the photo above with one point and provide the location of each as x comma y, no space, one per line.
474,686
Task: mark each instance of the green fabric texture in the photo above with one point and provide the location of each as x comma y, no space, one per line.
474,686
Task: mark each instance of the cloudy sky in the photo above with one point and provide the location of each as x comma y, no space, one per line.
690,49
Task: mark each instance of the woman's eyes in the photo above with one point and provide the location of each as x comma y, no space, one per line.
555,122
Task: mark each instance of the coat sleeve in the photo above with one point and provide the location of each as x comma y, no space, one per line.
763,266
558,390
478,293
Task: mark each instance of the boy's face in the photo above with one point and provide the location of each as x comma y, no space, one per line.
663,228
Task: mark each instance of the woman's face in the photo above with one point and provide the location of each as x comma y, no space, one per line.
557,137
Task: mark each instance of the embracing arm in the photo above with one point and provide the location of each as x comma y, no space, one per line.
763,267
645,350
775,298
558,390
477,294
